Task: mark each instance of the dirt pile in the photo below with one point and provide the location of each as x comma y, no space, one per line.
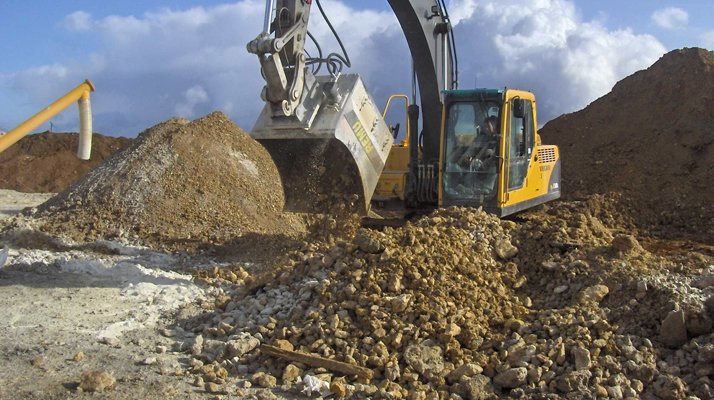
460,302
179,184
649,139
47,162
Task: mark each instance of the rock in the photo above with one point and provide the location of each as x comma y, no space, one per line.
284,345
477,387
615,392
264,380
709,306
196,347
465,370
505,250
582,358
339,388
161,349
452,330
673,332
212,387
520,353
97,381
149,361
626,244
572,381
668,387
698,323
110,341
291,373
424,358
511,378
366,243
79,357
560,289
704,282
400,303
593,294
240,344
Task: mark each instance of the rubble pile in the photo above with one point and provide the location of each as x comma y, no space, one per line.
462,303
650,140
179,184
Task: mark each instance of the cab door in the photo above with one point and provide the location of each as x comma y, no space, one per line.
520,139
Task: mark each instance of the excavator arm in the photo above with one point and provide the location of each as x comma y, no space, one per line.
326,133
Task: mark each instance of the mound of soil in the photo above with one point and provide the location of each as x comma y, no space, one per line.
650,140
178,183
47,162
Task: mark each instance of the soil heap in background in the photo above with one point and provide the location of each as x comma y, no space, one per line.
650,140
178,183
47,162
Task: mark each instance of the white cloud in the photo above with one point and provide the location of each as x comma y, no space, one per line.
707,39
192,97
190,62
670,18
78,21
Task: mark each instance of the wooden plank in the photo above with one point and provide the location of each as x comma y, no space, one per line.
317,361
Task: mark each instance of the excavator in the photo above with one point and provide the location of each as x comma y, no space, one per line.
332,146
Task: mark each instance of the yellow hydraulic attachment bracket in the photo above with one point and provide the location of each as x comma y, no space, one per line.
80,94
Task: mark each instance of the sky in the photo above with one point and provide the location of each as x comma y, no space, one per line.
151,60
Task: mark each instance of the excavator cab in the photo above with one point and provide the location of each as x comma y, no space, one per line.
492,156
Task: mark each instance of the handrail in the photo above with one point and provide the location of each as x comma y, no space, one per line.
79,94
386,108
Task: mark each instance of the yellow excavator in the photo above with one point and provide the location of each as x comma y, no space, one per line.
331,144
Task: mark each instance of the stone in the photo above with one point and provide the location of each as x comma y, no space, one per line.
560,289
582,358
572,381
264,380
196,346
339,388
97,381
698,323
704,282
366,243
668,387
400,303
709,306
505,250
149,361
240,345
212,387
673,332
79,357
511,378
615,392
465,370
593,294
284,345
452,330
291,373
424,358
477,387
626,244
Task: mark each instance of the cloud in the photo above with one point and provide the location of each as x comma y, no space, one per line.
707,39
78,21
167,62
193,97
670,18
544,46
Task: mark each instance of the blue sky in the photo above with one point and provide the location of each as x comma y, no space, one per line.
154,59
